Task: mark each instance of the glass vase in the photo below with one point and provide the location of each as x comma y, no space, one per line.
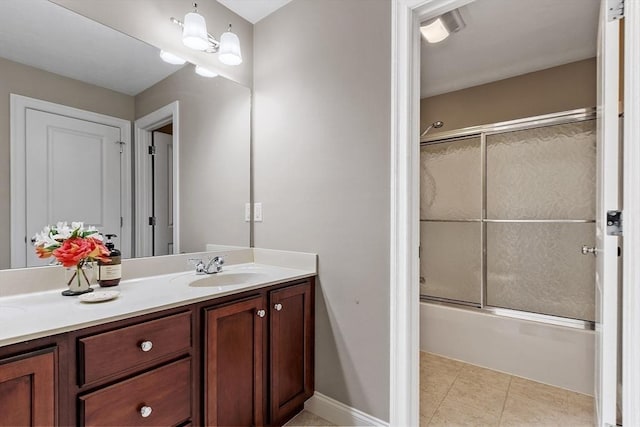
78,279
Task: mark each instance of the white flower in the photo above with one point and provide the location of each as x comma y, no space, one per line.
61,231
77,226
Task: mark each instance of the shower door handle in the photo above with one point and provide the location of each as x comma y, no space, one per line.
586,250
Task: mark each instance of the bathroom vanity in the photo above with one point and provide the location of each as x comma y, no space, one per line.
231,349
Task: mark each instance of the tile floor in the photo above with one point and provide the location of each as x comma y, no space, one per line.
307,419
453,393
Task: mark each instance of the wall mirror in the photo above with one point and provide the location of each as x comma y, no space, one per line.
81,105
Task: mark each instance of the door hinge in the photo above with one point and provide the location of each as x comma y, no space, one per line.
152,220
614,223
121,222
152,150
615,10
121,143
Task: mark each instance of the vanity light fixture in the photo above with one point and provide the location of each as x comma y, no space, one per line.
171,58
204,72
195,36
438,29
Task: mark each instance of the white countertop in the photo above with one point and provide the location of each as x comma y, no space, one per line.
35,315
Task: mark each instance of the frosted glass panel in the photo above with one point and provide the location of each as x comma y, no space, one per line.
450,260
450,186
542,173
538,267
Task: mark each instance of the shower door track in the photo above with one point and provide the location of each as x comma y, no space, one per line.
509,312
571,116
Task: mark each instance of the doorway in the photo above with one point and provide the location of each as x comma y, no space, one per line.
405,173
156,182
67,165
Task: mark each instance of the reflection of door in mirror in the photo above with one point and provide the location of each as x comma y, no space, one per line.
72,171
162,178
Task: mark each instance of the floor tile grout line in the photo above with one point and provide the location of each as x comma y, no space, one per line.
446,394
506,396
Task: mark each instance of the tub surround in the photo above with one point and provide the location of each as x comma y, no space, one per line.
31,305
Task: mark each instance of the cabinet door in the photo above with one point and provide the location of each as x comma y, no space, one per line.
27,390
234,363
291,344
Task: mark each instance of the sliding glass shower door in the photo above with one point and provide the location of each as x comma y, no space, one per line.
505,213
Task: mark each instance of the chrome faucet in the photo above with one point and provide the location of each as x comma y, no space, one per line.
213,266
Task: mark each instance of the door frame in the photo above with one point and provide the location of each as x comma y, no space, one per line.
631,217
405,201
19,105
143,128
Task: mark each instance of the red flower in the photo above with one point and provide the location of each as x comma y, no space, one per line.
76,249
42,252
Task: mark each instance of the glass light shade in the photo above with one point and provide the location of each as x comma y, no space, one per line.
194,32
204,72
435,31
171,58
229,52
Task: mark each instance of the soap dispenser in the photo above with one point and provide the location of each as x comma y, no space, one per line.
110,272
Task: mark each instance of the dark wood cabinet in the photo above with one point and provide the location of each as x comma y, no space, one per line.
160,397
259,357
237,360
291,346
28,389
234,363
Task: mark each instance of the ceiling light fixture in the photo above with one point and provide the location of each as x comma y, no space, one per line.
171,58
435,31
439,28
204,72
195,36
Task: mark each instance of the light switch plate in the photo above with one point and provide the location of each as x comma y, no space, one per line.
257,212
247,212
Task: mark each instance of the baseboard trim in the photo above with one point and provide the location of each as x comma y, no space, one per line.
340,414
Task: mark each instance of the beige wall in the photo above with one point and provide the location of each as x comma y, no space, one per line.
148,20
321,169
555,89
214,135
35,83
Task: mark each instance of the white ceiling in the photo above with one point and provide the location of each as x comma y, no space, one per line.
254,10
506,38
47,36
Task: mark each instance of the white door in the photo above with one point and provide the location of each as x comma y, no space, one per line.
607,199
163,193
73,173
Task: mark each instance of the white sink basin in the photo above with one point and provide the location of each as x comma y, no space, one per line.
228,279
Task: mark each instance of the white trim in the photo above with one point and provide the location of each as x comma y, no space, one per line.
18,107
338,413
143,128
404,368
631,218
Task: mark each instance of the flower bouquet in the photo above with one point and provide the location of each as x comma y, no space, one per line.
74,247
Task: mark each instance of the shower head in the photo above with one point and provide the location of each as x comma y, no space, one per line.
437,124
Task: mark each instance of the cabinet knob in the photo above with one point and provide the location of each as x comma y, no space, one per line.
261,313
278,307
145,411
146,346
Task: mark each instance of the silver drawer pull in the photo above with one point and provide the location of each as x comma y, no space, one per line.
145,411
146,346
261,313
278,307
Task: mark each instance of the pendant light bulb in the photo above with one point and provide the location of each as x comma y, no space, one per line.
171,58
194,32
229,52
205,72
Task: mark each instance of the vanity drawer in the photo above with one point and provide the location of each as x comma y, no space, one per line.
161,397
141,345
